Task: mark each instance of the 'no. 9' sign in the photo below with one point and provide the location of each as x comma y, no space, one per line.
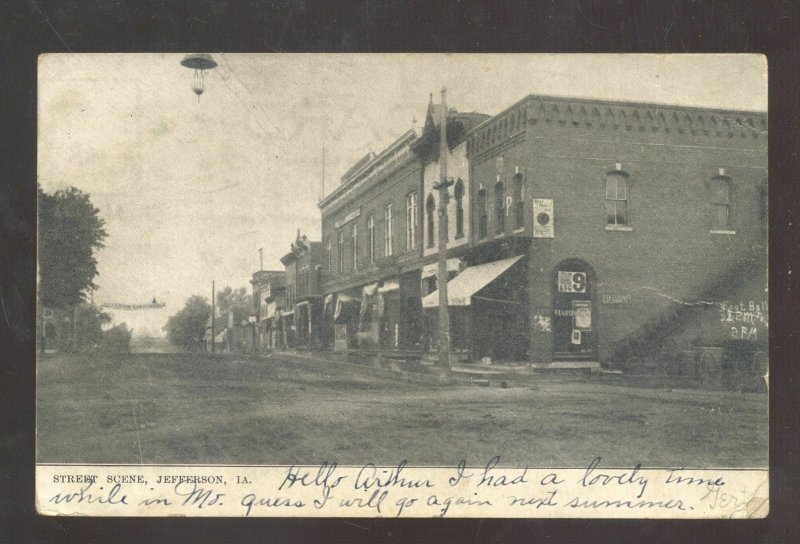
571,282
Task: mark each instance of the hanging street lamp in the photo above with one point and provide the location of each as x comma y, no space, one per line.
199,62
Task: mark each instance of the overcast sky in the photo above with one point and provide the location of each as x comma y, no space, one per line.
190,190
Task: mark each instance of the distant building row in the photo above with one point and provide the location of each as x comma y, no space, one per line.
579,230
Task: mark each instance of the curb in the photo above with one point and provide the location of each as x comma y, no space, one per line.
314,363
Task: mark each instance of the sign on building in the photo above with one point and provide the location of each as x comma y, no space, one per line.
610,298
543,218
347,218
571,282
582,320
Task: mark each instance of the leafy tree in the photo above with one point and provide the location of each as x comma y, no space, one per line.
70,229
89,325
117,339
238,301
187,328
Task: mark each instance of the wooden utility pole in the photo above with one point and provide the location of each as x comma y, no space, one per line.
213,332
442,187
323,174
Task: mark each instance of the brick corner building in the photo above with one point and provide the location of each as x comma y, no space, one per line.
638,225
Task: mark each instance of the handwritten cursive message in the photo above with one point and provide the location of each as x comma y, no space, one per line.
488,489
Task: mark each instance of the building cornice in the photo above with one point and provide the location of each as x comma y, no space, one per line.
399,149
615,116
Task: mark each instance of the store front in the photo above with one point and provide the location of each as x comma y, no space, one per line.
346,317
286,332
488,316
327,325
389,315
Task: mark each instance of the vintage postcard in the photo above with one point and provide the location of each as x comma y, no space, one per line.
402,285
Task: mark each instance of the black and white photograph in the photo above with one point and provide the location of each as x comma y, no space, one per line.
402,285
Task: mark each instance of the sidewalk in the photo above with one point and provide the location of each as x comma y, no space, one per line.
422,371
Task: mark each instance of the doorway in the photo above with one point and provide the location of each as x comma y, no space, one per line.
574,323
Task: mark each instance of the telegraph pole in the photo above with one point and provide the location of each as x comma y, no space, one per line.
442,187
213,335
323,174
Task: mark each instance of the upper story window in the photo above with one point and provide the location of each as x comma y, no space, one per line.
519,202
721,203
483,221
340,251
500,207
330,256
411,221
388,236
458,193
48,312
430,207
617,199
355,246
304,282
371,238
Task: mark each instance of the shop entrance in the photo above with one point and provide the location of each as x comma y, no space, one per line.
574,324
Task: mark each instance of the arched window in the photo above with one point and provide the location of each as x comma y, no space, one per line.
519,204
617,199
430,206
720,203
500,207
459,196
483,222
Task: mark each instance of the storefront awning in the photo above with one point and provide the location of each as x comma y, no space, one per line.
430,270
389,286
369,290
471,280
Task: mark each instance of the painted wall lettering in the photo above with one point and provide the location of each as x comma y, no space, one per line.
751,312
617,299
